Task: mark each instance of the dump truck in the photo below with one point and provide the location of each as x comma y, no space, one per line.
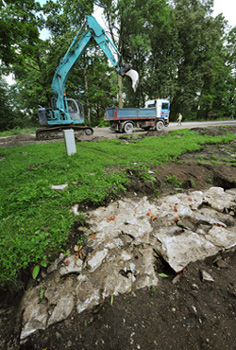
155,116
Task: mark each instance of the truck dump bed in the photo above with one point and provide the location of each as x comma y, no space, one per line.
115,113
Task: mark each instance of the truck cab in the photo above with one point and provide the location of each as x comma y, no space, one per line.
162,109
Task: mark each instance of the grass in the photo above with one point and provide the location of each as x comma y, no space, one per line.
17,131
173,181
36,220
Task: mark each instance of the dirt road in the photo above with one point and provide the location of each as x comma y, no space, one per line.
104,133
107,133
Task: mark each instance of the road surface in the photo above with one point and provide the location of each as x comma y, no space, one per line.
107,133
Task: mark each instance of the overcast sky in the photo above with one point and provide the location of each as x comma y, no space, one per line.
228,8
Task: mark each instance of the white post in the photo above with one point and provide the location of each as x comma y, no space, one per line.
69,138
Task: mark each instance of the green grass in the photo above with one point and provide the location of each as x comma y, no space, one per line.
173,181
36,220
17,131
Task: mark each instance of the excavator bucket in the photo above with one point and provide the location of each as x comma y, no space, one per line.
134,77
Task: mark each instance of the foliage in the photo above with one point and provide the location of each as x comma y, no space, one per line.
6,113
173,180
36,220
179,49
18,29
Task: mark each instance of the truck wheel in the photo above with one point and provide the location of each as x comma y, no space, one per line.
88,131
128,128
159,125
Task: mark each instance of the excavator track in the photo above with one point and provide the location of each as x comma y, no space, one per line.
57,132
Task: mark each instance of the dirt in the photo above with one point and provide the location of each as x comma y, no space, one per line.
190,314
183,312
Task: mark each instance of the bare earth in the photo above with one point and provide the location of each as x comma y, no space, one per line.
190,314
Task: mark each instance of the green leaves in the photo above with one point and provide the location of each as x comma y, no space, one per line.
35,271
18,31
37,268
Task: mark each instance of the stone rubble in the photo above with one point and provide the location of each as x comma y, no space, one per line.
71,265
59,187
125,238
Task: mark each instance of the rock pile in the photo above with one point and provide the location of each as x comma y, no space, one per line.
125,239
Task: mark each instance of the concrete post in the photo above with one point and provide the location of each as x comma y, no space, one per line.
69,138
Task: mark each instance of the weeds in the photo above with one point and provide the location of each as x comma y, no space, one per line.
173,181
192,183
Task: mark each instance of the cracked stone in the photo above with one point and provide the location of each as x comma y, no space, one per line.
62,310
202,219
87,296
97,259
180,250
71,265
55,290
35,317
221,237
55,264
218,199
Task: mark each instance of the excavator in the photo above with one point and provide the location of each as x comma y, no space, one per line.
67,113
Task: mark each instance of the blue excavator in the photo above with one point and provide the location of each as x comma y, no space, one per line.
67,113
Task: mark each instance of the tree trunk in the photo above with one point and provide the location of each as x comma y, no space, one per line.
120,91
87,99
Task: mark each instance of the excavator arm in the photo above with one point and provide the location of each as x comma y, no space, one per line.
68,113
74,53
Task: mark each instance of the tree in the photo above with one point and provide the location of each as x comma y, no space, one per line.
230,107
179,50
11,114
92,80
18,29
161,67
19,37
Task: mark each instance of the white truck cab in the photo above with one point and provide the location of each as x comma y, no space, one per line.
162,108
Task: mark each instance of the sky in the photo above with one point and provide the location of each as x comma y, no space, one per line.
228,8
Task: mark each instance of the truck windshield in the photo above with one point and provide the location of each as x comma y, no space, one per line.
165,105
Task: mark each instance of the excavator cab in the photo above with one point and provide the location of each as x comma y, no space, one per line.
75,109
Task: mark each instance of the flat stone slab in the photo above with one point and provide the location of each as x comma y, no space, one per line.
71,265
96,260
125,238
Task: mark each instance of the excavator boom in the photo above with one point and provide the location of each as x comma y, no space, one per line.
59,116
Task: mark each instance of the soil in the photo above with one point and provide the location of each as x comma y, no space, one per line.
184,312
